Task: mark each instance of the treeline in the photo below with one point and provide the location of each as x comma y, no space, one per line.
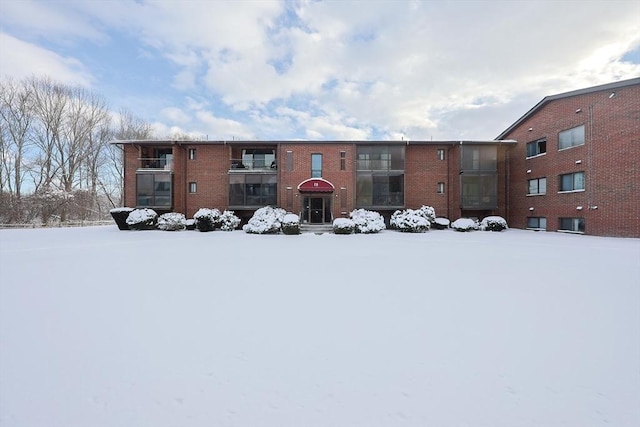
56,160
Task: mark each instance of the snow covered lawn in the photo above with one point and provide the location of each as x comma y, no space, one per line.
100,327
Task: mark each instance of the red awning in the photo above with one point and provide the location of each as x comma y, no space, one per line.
316,185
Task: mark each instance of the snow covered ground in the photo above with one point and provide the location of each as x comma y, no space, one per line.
100,327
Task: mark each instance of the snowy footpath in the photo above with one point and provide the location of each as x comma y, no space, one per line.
108,328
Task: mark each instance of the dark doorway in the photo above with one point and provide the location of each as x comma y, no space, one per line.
317,210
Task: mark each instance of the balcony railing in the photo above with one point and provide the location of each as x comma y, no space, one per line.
163,163
240,165
479,202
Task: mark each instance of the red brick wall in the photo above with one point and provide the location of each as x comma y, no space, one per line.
423,171
131,155
209,171
610,159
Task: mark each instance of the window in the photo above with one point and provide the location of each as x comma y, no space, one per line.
571,137
252,190
479,191
537,223
440,188
343,160
380,158
537,186
572,182
440,153
316,165
258,158
192,153
193,187
153,190
572,224
343,198
288,161
379,190
536,148
479,158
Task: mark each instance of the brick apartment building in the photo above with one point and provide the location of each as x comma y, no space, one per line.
571,163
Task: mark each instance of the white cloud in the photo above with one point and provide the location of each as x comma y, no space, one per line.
20,59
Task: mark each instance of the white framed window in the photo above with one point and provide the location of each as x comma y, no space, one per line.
192,153
440,188
193,187
536,148
440,153
575,225
572,181
571,137
537,222
316,165
537,186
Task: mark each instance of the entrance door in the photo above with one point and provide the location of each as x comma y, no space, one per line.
317,210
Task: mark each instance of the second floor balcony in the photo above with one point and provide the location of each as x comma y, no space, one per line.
161,163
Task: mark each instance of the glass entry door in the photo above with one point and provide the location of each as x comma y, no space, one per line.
316,210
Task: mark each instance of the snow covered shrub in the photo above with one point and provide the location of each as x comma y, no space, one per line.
465,224
493,223
120,215
343,226
410,221
172,221
291,224
428,213
441,223
206,219
142,219
265,220
190,224
229,221
367,221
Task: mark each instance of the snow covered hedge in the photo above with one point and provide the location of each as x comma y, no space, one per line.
172,221
229,221
493,223
142,219
120,215
206,219
265,220
441,223
465,224
291,224
410,221
343,226
367,221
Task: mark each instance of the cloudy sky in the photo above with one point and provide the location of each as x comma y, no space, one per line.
311,69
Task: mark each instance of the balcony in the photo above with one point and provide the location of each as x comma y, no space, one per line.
253,165
157,163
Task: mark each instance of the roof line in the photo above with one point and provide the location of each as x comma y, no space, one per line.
547,99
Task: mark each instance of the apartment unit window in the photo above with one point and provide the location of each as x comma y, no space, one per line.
537,222
479,158
572,181
316,165
537,186
343,160
535,148
193,187
572,224
258,158
571,137
248,190
440,153
288,161
153,190
380,158
192,153
380,190
440,188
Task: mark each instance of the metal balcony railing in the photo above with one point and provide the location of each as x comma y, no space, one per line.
155,163
241,165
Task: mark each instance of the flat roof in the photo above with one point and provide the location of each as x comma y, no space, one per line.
276,142
547,99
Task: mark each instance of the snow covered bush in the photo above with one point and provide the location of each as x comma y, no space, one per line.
265,220
206,219
120,215
367,221
343,226
441,223
493,223
291,224
465,224
191,224
428,212
410,221
229,221
142,219
172,221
